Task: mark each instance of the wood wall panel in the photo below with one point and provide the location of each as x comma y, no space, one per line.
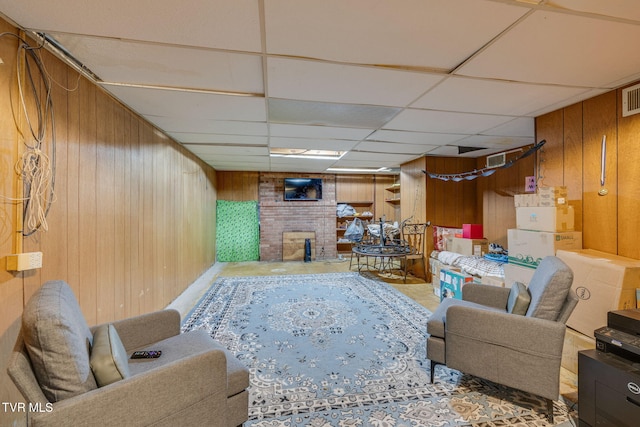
11,286
414,197
238,186
355,188
628,184
572,164
133,222
600,216
551,155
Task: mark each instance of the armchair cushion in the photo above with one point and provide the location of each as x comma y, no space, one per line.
437,321
58,340
519,299
108,356
549,286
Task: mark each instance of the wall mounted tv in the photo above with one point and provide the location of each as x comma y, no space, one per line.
302,189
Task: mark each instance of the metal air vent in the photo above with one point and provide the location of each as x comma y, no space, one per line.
631,100
496,160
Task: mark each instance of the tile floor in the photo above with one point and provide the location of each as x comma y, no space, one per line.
415,288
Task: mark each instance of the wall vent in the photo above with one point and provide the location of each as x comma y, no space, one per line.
631,100
496,160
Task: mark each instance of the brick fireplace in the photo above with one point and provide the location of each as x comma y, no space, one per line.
278,216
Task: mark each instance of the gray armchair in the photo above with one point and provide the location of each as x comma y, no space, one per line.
83,376
511,336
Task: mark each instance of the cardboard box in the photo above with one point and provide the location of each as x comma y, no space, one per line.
545,197
527,248
435,282
490,280
451,283
525,200
551,219
552,196
517,273
472,231
603,282
464,246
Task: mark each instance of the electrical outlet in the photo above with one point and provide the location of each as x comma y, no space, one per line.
25,261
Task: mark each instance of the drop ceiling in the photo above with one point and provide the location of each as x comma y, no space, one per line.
383,82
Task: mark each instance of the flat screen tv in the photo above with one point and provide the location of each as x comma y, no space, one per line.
302,189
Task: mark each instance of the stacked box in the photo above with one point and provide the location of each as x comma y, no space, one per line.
545,224
603,282
527,248
552,196
451,283
464,246
544,218
472,231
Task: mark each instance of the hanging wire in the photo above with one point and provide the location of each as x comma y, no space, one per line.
35,167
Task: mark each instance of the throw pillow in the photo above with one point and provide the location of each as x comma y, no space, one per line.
549,287
58,340
108,356
519,299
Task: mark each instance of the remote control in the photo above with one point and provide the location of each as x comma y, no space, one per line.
152,354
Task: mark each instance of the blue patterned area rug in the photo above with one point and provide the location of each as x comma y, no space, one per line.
343,350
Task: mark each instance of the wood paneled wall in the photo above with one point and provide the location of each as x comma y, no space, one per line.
133,222
572,157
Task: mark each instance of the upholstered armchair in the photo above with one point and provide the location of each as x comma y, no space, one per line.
84,376
511,336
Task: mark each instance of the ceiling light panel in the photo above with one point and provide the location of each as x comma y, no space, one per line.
445,122
369,32
330,114
319,81
507,98
156,102
155,64
557,48
232,25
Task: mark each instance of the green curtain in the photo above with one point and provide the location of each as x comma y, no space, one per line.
237,231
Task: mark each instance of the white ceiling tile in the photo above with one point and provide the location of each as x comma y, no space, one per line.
204,138
395,33
444,122
394,147
229,150
190,105
559,48
494,143
225,24
520,127
173,66
625,9
303,131
330,114
388,157
321,81
492,96
180,126
411,137
312,144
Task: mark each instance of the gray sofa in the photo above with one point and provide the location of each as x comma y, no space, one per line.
83,376
512,336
